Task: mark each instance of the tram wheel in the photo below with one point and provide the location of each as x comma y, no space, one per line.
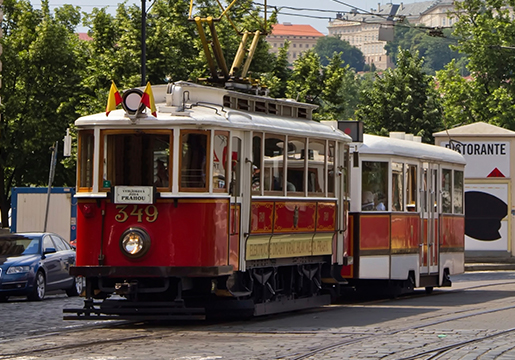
429,290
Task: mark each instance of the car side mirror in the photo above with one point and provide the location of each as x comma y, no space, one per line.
49,250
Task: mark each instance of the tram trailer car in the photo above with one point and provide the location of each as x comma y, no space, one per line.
224,201
406,219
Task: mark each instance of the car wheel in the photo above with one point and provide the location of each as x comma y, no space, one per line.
38,293
76,289
3,298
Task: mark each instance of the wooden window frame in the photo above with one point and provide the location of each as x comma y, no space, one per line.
104,133
208,160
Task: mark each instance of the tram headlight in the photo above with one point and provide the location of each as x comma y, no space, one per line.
134,243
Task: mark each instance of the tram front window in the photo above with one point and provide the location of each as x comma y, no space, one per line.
136,159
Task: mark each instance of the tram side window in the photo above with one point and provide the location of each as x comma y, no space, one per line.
256,163
136,159
411,187
273,162
331,173
194,145
296,164
316,166
397,187
458,192
374,185
221,143
86,145
446,191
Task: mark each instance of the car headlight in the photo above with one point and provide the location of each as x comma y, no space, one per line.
134,243
18,269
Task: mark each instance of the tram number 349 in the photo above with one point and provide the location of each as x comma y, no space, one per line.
149,212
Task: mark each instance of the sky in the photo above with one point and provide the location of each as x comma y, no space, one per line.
303,17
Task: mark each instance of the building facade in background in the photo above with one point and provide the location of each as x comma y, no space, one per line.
302,38
370,33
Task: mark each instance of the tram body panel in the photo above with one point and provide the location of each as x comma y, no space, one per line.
214,235
189,232
406,220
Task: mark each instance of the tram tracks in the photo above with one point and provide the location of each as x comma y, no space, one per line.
109,335
432,353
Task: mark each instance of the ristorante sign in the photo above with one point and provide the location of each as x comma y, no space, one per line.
484,158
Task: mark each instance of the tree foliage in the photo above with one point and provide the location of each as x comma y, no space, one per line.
42,63
437,51
486,33
403,99
327,46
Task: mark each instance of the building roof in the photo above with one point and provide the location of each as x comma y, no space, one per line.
84,36
295,30
476,129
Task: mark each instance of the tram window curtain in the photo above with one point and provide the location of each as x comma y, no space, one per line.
194,160
85,160
446,191
374,186
457,198
137,158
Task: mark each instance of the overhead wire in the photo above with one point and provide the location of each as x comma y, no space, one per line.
436,31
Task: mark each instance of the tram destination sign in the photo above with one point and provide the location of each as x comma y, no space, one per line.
133,195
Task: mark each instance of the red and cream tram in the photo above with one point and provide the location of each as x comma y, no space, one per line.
223,200
406,219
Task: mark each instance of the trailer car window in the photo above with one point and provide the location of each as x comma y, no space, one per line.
397,187
411,187
374,185
446,191
458,192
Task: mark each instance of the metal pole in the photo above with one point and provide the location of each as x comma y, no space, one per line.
53,162
143,42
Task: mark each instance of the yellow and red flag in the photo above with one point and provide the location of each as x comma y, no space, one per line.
148,99
113,100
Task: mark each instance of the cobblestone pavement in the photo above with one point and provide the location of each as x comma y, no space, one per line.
445,325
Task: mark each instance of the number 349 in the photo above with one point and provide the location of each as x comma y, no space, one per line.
150,213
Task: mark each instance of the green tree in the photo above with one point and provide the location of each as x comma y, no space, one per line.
486,33
327,46
404,99
437,51
42,66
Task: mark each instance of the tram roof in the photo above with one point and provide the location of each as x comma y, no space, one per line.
205,110
373,144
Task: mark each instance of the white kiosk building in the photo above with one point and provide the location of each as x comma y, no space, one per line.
489,177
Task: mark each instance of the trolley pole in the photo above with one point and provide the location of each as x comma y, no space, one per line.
53,162
143,42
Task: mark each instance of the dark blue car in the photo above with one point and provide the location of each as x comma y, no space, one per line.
31,264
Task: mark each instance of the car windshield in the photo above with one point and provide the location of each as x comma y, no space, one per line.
14,246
